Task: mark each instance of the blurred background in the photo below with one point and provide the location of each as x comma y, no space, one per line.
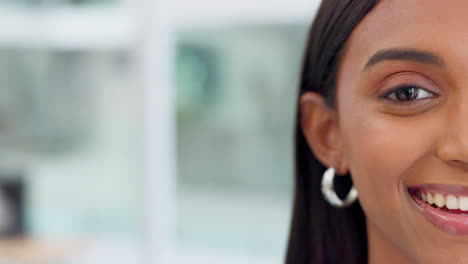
148,131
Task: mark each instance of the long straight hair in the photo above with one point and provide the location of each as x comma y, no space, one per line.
320,233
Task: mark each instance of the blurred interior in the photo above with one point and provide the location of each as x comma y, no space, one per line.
142,131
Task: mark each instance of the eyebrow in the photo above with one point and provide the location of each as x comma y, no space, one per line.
414,55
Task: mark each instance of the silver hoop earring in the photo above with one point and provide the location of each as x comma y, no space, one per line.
328,191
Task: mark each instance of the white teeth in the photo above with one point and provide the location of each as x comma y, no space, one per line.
439,200
463,203
452,202
430,198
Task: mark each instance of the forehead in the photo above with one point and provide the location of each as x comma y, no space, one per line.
439,26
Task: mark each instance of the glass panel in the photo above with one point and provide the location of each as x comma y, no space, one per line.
236,89
69,166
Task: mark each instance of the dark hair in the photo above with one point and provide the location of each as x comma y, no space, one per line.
320,233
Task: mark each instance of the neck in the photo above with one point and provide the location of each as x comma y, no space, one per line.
381,250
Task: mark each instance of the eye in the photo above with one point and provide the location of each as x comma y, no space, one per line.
409,93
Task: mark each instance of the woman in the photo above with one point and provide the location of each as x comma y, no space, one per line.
383,105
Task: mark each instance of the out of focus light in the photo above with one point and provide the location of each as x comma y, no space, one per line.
142,131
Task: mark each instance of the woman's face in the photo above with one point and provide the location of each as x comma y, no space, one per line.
402,107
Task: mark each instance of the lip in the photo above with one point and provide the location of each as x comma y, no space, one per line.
444,189
456,224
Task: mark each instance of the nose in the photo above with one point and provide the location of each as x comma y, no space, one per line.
452,146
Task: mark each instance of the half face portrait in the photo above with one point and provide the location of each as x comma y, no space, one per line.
384,102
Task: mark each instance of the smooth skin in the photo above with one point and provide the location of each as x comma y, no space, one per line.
389,142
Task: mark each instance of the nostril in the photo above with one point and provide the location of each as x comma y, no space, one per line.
453,150
459,164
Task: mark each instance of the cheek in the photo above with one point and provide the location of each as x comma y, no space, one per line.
374,154
380,150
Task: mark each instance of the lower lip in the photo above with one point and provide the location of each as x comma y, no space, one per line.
456,224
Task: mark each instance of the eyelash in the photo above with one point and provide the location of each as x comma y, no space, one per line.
427,94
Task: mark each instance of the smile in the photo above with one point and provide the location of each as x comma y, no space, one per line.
445,206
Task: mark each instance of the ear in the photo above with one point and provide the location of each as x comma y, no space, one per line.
319,124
